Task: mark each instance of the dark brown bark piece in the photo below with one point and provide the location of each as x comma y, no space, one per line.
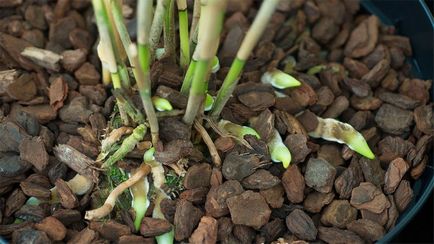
403,195
187,217
14,202
274,196
398,100
173,129
331,153
134,239
23,88
196,195
206,232
197,175
320,175
53,227
363,38
264,124
324,30
301,225
67,197
154,227
225,227
365,103
216,199
357,87
367,196
338,214
60,29
336,235
87,74
380,218
175,97
315,201
85,236
67,216
396,170
260,180
95,94
393,147
249,209
356,68
110,230
423,116
348,180
416,89
294,184
33,151
297,145
35,190
237,166
394,120
367,229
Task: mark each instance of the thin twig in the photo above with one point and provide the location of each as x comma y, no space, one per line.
109,203
210,144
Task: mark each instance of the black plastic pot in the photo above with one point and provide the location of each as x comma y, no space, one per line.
412,18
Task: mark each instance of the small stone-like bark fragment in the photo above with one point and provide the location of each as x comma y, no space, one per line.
53,227
367,196
339,213
260,180
403,195
154,227
301,225
315,201
397,168
67,197
293,182
336,235
249,209
367,229
187,217
206,232
320,175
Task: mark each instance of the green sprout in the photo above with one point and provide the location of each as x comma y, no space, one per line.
127,146
316,69
278,151
140,201
250,40
334,130
215,64
209,37
161,104
238,131
209,101
279,79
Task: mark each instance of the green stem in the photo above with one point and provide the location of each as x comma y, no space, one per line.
157,25
186,84
117,84
197,91
183,38
169,30
127,146
228,87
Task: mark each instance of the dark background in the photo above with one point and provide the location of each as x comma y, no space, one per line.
420,228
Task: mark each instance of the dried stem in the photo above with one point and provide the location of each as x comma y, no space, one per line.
210,144
157,26
109,203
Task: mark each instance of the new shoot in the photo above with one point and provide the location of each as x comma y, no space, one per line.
140,202
127,146
238,131
279,79
252,37
334,130
161,104
278,151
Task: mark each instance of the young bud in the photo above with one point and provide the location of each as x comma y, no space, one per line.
279,79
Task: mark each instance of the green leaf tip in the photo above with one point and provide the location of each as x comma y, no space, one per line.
215,64
281,154
278,151
209,102
149,154
279,79
334,130
161,104
238,131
